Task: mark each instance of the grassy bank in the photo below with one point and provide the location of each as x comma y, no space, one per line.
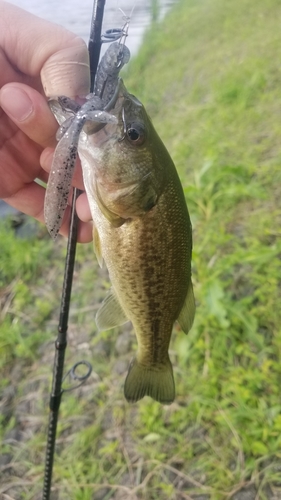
210,79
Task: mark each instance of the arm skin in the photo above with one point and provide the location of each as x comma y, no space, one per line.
38,59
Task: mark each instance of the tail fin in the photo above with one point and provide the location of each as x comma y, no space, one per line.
158,383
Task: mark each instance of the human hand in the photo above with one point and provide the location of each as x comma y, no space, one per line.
37,58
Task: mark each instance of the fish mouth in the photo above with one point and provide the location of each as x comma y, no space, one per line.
91,128
126,108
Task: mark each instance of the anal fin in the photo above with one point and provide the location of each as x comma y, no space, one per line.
110,313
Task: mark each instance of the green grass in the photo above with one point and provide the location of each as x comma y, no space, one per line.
210,79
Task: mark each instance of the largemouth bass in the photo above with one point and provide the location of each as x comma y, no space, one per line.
143,233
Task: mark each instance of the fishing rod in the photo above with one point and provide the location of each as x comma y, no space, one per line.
95,40
94,47
61,341
60,346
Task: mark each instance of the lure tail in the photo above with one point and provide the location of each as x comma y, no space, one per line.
156,382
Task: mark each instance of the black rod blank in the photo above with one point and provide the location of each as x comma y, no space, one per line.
60,345
95,41
61,342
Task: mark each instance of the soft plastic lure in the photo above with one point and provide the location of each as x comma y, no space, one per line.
72,118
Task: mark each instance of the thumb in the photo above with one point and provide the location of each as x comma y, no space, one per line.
59,56
66,72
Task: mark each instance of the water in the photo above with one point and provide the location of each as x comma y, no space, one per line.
76,16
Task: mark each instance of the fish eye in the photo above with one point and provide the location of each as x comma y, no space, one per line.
135,134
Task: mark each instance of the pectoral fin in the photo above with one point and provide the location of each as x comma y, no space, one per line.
187,313
110,313
97,246
114,219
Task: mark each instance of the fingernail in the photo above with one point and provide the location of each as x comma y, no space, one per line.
16,103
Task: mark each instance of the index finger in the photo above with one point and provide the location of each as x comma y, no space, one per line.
36,46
